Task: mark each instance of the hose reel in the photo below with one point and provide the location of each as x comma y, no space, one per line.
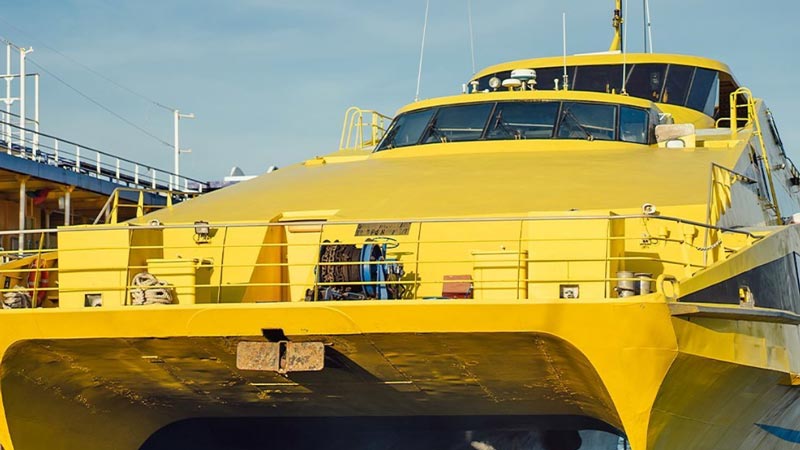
349,272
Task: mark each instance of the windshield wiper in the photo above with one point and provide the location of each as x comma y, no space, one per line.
388,139
503,125
568,113
432,131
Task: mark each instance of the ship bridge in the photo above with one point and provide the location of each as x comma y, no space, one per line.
678,84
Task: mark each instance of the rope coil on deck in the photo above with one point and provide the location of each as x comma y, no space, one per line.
150,290
19,298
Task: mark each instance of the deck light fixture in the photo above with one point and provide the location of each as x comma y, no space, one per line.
201,229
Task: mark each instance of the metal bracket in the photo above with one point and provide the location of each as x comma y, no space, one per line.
281,356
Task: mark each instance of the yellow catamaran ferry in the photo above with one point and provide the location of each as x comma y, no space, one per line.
594,251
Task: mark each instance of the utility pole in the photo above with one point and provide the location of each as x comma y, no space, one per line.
22,75
177,116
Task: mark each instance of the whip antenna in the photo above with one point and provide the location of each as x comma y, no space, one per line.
624,51
648,39
422,50
471,39
565,83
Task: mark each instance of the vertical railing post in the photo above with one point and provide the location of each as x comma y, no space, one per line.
22,202
136,174
98,164
77,158
22,134
115,207
140,204
734,119
35,115
117,169
153,178
55,150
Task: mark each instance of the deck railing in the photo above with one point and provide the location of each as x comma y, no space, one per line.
503,258
358,133
68,155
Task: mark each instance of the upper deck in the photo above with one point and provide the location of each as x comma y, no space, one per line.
687,82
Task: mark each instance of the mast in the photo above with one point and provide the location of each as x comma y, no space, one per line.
616,22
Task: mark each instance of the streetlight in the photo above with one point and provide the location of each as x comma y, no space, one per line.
177,117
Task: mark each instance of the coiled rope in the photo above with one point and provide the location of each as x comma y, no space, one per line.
149,290
17,299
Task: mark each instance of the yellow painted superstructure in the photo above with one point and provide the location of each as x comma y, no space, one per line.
500,295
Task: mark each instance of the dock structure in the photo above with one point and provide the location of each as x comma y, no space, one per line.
47,182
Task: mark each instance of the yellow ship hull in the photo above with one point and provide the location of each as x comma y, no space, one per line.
102,379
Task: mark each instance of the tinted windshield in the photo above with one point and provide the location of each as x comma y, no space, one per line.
664,83
407,129
523,120
519,120
587,121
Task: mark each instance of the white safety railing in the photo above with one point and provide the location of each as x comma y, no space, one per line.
68,155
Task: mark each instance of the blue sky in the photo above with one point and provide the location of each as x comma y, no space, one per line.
269,80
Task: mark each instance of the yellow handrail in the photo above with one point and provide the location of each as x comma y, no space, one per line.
434,253
353,128
752,119
112,206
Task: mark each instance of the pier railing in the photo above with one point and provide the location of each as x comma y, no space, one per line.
525,258
68,155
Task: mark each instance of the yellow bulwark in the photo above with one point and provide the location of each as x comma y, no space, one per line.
610,267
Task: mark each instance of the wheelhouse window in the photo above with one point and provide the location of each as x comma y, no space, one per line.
675,84
646,81
587,121
517,120
523,120
606,78
457,123
406,129
633,125
703,93
676,87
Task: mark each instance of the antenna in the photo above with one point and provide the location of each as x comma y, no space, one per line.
471,39
624,50
648,39
422,50
565,84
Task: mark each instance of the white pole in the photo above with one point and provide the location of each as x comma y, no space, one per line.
177,116
177,142
22,53
8,99
35,114
22,201
6,126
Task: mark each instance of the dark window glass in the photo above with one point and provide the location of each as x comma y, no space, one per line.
545,78
458,123
607,78
646,81
677,86
406,129
703,95
483,82
587,121
523,120
633,125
